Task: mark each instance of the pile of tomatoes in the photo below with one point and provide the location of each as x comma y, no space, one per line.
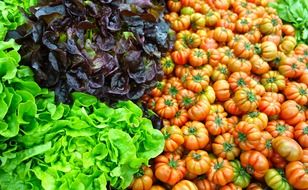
234,100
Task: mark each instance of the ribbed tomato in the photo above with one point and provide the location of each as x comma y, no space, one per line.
258,118
197,162
246,135
287,148
296,173
292,112
166,107
238,80
197,81
199,110
265,146
290,67
195,135
185,185
173,137
143,179
220,172
224,146
174,5
255,163
169,168
297,92
203,183
216,123
301,133
222,90
279,128
246,99
180,118
287,44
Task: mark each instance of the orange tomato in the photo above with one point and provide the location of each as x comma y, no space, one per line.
195,135
220,172
255,163
169,168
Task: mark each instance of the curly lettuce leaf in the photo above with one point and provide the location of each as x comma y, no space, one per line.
84,46
93,142
88,145
11,16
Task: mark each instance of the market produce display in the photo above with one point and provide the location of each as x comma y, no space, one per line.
110,49
154,95
234,97
49,145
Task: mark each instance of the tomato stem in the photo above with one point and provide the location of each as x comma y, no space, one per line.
196,156
300,59
218,165
192,130
166,135
140,173
160,86
244,21
268,144
187,101
244,4
173,91
294,66
223,70
210,13
271,80
276,61
227,146
169,63
169,102
198,53
178,114
257,49
302,91
241,82
201,177
274,22
218,120
253,114
242,137
305,130
251,96
173,163
152,104
250,169
247,46
300,108
229,53
241,171
198,77
189,40
184,77
281,128
280,171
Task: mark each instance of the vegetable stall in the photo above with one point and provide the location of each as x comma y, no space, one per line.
153,95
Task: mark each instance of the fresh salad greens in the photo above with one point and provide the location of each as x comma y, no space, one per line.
294,12
44,145
86,146
10,14
18,92
110,49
